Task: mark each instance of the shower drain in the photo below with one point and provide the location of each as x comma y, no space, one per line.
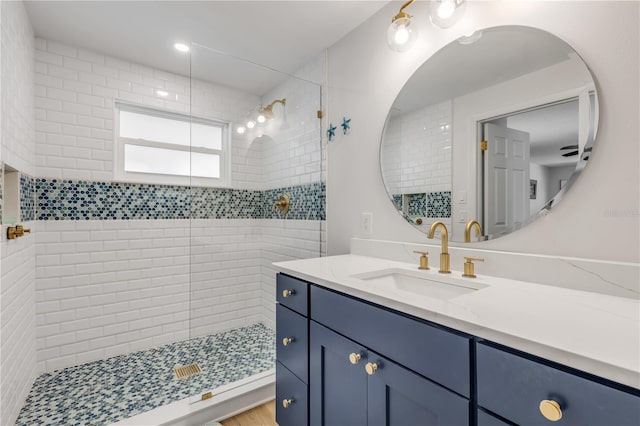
187,370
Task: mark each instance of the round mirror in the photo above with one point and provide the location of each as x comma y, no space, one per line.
492,128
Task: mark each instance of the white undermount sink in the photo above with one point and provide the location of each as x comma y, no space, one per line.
420,282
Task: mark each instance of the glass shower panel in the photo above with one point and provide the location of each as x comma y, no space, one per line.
273,152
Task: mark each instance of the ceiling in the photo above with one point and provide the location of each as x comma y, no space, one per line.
283,35
550,128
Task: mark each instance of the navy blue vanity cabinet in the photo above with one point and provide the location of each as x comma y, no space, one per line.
337,380
401,397
436,353
349,385
292,351
486,419
520,388
351,382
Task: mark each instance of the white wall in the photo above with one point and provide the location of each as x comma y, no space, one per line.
365,76
17,277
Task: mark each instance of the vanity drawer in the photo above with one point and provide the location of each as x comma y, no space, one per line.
292,353
289,388
514,387
292,293
433,352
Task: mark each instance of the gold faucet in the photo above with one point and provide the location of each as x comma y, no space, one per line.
444,256
467,230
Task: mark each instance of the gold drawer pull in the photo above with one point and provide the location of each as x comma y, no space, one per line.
371,368
354,358
287,402
287,341
550,410
287,293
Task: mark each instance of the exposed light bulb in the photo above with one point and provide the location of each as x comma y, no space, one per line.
261,118
446,9
181,47
251,124
241,130
401,34
445,13
162,93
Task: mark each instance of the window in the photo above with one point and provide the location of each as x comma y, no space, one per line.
154,146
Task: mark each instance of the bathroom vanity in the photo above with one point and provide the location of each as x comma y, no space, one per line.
353,350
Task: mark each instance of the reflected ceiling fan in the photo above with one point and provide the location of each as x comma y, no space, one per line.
574,151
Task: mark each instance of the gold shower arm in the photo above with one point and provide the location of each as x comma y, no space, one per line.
282,101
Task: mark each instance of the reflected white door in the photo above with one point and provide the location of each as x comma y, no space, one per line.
506,178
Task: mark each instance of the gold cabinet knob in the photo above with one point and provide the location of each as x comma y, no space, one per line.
287,402
371,368
287,341
287,293
550,410
354,358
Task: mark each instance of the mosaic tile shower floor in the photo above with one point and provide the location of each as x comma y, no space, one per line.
109,390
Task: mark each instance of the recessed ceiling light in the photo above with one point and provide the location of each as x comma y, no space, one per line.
181,47
162,93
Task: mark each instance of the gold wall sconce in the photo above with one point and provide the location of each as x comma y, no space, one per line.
14,232
402,34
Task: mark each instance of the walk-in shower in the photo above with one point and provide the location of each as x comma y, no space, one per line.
165,261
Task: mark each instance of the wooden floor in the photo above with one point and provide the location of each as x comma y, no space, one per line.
262,415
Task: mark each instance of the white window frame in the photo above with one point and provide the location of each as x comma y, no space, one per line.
121,175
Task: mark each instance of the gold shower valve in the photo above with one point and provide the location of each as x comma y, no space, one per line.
14,232
282,204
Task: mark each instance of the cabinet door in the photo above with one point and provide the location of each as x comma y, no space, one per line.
291,398
401,397
337,388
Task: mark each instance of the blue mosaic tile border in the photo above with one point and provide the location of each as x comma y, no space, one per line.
307,202
418,204
396,199
113,389
439,204
27,197
85,200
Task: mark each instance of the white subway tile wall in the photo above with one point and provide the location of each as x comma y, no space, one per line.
17,265
417,150
108,287
75,94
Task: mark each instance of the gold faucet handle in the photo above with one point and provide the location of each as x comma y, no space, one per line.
424,259
469,266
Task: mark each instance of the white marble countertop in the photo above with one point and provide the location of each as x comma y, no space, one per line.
592,332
